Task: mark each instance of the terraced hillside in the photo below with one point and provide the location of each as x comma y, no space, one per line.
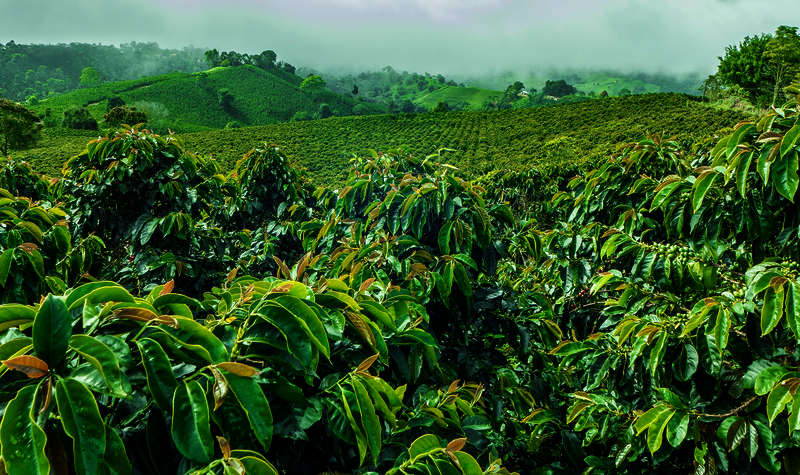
189,102
481,140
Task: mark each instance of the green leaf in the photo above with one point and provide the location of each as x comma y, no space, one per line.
52,327
767,379
701,187
197,339
103,359
5,265
158,369
777,400
645,420
298,343
255,405
655,431
22,441
361,441
722,329
424,445
790,139
784,175
793,308
794,419
742,169
444,238
369,419
308,320
258,466
677,429
772,310
14,315
81,419
116,459
469,466
191,428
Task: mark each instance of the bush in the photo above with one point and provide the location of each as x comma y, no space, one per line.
79,118
325,111
113,102
234,124
225,99
125,115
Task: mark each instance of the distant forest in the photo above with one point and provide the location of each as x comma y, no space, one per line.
45,70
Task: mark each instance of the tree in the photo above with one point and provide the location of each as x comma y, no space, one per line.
782,58
559,88
288,67
212,58
19,126
79,118
744,66
355,90
265,60
225,99
325,111
125,115
90,77
441,107
510,95
312,83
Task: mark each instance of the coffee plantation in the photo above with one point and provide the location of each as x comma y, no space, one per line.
629,314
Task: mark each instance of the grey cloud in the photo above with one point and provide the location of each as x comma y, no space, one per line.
450,36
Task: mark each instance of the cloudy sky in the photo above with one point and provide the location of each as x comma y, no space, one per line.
450,36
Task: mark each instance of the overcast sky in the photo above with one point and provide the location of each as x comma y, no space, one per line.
449,36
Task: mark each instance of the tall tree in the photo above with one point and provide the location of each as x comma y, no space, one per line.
19,126
90,77
782,58
744,66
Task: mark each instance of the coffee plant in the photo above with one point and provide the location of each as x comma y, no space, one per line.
632,315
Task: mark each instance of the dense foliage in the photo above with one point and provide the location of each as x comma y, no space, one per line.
20,127
44,70
760,65
637,313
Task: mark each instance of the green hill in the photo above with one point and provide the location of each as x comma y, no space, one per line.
558,134
187,102
474,97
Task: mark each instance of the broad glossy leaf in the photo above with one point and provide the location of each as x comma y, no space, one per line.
424,445
701,187
191,428
784,175
790,140
103,359
772,310
52,328
81,420
767,379
369,419
116,459
158,369
197,339
22,441
255,405
469,466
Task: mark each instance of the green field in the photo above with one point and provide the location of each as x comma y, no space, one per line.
454,95
188,102
482,140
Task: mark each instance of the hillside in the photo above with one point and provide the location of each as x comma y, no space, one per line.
473,97
482,140
189,102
